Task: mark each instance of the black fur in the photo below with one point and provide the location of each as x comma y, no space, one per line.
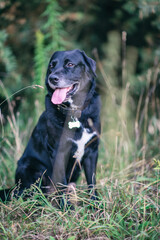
51,148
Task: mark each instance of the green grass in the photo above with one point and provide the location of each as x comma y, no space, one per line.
126,210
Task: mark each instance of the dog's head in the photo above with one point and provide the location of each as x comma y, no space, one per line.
69,74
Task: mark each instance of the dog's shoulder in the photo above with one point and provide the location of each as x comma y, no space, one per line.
93,109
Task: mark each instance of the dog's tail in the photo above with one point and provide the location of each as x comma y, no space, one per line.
5,194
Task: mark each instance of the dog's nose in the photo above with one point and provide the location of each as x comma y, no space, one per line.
54,79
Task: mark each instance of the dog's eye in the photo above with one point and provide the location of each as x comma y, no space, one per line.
70,64
52,64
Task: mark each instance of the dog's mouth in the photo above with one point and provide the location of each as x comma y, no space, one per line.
61,95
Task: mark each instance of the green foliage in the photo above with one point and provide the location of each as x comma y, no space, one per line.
53,27
8,64
40,66
6,55
149,7
40,59
157,163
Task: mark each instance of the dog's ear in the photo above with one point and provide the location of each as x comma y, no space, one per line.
90,62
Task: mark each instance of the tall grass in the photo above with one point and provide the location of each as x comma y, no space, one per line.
13,137
125,210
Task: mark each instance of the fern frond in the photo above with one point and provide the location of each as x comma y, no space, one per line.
39,59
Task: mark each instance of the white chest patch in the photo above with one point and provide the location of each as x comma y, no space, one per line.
86,137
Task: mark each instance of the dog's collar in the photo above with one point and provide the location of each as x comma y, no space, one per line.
72,111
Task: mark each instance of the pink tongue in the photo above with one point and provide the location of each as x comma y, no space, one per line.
59,95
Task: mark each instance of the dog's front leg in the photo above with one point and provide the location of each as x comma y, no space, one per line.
59,170
89,165
59,178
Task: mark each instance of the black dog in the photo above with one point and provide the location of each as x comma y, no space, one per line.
67,134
